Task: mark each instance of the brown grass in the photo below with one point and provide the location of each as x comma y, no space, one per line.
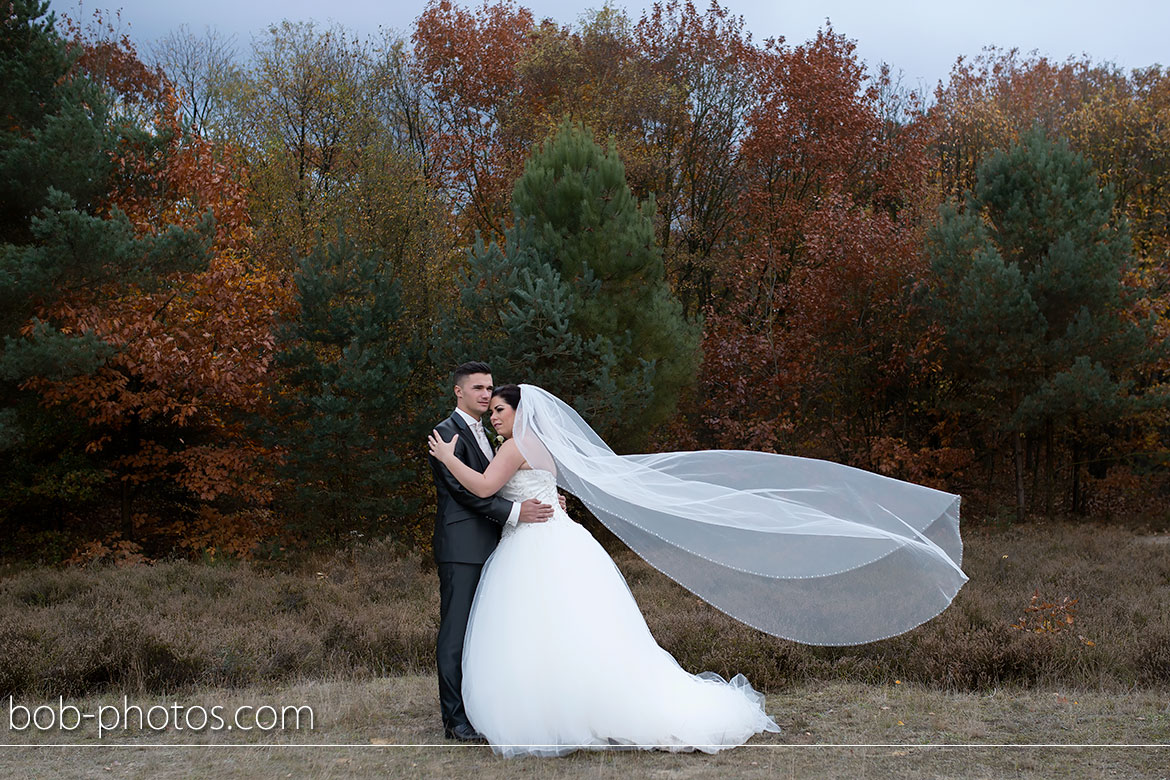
1121,582
911,732
162,627
362,613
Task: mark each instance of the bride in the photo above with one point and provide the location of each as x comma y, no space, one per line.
557,655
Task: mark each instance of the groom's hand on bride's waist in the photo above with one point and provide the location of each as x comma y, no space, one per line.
533,511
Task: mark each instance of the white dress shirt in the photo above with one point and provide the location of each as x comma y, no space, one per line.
477,430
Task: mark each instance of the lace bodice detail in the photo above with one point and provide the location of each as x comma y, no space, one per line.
532,483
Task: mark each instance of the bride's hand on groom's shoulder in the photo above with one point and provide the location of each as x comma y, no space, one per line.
440,450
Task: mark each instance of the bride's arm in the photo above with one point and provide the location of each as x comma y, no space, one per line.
508,458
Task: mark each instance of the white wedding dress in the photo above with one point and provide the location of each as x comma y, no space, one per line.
558,657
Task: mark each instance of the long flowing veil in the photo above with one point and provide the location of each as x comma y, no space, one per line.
803,549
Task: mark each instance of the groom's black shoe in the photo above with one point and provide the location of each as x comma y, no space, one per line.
464,733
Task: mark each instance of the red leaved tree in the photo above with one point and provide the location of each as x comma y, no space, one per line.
467,60
813,345
191,353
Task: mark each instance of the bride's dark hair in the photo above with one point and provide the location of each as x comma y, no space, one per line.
510,394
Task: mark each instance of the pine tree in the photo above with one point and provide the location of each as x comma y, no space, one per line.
576,300
1029,294
517,313
54,133
52,139
58,236
340,405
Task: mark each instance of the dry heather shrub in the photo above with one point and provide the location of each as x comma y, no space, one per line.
365,611
986,657
1118,637
1151,655
45,587
155,628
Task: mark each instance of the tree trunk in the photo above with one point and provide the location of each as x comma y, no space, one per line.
1076,477
134,434
989,461
127,517
1049,469
1018,450
1034,463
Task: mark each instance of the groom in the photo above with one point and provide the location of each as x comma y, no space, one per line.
467,529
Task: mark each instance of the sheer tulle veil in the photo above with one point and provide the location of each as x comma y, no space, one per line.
803,549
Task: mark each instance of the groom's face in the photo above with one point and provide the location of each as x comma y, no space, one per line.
474,393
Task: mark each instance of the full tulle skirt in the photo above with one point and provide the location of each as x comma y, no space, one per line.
558,657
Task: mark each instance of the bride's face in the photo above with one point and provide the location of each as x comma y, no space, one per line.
502,417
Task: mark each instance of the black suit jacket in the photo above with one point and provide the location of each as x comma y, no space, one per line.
467,527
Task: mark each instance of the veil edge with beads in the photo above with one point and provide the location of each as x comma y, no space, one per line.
804,549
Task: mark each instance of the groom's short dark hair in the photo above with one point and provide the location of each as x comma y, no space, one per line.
469,368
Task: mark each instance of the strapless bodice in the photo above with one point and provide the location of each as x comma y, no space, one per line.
533,483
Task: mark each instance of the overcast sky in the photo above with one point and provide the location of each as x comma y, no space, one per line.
921,38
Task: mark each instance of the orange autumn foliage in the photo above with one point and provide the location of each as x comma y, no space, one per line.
192,352
468,61
813,342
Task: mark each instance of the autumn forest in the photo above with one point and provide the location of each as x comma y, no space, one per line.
234,279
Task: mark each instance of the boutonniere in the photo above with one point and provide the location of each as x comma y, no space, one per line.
497,441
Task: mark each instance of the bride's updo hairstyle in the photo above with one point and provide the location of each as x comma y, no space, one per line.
510,394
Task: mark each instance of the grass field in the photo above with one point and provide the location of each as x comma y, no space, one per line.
835,729
350,634
1099,594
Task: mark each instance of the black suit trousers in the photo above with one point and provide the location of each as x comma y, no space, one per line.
457,583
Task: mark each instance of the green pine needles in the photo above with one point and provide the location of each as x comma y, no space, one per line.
340,407
1029,293
56,146
575,300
